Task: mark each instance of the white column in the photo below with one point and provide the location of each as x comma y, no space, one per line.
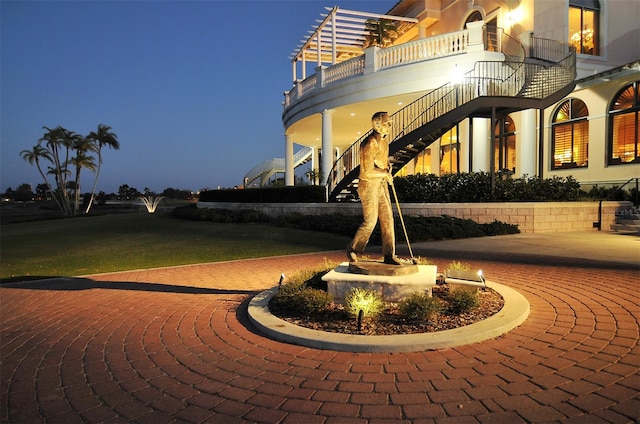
289,174
319,49
304,66
334,42
314,164
526,152
340,170
435,157
327,146
481,145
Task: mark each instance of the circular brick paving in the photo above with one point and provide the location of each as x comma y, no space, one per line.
174,345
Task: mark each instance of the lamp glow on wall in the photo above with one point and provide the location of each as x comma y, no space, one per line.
456,75
514,16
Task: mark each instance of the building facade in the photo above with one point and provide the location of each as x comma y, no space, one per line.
538,87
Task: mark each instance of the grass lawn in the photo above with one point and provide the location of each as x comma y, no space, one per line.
91,245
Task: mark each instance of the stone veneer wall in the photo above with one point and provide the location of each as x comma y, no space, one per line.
531,217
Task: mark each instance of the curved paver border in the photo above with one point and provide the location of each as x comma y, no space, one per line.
514,312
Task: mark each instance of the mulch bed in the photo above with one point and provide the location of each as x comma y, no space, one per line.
337,320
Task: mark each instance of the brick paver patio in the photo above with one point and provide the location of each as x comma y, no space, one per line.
173,345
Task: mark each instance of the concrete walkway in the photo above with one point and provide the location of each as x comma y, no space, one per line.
174,345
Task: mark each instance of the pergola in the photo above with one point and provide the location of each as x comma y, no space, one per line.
339,36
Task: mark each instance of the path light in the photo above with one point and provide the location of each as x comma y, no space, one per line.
367,302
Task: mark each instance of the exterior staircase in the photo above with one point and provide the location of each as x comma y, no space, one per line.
492,89
627,222
260,174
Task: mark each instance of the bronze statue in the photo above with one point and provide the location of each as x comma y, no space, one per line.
375,177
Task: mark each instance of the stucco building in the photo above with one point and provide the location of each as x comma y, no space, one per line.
538,87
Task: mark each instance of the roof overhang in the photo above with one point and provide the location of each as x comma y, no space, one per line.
340,35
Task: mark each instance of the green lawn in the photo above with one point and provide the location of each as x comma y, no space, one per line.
90,245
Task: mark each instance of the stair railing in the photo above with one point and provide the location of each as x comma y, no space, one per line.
490,78
636,202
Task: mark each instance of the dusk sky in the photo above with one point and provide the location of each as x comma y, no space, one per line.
192,89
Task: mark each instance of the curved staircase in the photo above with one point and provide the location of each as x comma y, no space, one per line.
492,89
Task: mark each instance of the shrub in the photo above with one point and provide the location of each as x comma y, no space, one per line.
476,187
418,306
419,228
462,300
302,294
294,194
299,299
368,301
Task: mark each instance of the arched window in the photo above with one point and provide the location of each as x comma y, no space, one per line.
584,33
475,16
570,135
505,150
624,123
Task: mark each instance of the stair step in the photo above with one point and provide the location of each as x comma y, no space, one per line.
626,228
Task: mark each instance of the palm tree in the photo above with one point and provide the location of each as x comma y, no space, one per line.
100,138
34,155
82,145
60,142
381,33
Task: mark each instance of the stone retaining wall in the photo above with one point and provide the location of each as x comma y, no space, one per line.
531,217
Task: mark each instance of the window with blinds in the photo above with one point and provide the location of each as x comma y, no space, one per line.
624,126
570,135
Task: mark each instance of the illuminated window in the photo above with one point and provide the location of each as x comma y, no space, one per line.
624,124
449,152
505,150
423,162
583,26
570,135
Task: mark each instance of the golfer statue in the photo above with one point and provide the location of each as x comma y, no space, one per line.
373,188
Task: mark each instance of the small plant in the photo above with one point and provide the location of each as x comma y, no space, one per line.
458,266
422,261
368,301
462,300
418,306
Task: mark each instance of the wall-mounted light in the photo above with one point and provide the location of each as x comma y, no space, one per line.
514,16
456,75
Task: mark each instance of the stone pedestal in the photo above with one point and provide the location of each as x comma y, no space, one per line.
470,280
393,288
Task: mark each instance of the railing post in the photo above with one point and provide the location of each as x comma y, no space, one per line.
598,224
475,36
370,60
320,75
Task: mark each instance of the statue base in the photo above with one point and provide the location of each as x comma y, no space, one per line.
392,288
380,268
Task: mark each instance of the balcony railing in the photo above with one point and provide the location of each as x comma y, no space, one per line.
411,52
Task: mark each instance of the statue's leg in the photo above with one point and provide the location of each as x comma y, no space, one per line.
386,222
369,198
386,227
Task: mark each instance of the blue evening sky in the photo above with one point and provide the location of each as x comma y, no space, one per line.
193,89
